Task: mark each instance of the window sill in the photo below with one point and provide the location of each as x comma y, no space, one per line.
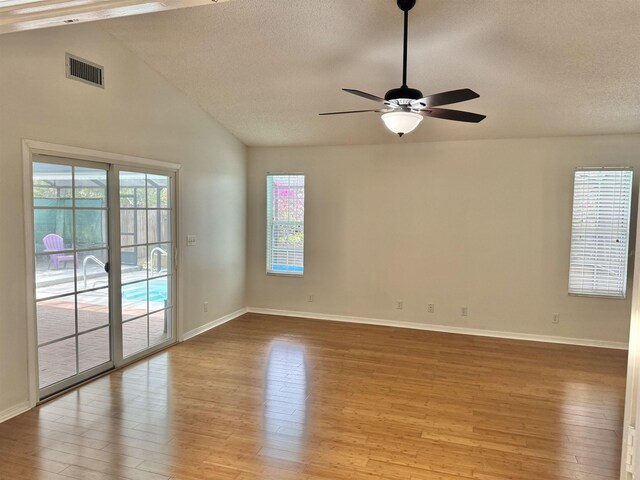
284,274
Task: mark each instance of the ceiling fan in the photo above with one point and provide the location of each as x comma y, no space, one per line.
404,107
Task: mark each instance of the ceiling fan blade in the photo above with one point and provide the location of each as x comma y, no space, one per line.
350,111
364,95
446,98
453,115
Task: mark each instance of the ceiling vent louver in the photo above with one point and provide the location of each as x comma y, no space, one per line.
84,71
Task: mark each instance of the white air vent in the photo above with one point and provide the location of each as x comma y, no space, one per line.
85,71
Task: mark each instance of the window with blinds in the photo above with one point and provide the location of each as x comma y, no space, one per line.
600,232
285,224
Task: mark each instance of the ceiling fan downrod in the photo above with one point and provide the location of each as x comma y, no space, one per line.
404,91
405,6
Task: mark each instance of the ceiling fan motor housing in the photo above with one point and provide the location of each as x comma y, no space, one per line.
403,92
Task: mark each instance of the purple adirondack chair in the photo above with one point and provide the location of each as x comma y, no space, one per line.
54,243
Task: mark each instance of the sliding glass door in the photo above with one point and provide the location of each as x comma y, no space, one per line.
146,254
104,244
71,234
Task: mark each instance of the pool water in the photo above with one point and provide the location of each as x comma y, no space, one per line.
277,267
138,291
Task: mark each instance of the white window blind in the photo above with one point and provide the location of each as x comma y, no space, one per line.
285,224
600,232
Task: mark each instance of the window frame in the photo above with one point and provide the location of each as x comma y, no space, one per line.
629,235
269,222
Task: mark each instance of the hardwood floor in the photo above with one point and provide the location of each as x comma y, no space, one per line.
266,397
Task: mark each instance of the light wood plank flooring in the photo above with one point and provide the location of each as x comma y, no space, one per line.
266,397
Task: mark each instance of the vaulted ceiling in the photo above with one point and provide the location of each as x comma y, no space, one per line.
265,69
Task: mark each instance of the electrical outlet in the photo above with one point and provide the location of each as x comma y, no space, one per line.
399,304
556,318
431,308
205,307
464,312
310,297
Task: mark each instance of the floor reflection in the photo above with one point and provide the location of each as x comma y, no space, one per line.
589,417
285,402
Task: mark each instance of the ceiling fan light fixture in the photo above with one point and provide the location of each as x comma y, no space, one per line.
401,122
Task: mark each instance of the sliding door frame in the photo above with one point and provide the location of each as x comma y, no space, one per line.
114,162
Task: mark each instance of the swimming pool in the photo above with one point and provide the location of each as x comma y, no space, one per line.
138,291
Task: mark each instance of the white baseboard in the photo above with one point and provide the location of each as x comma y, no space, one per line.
587,342
14,411
213,324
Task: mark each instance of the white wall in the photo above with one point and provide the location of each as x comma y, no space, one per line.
482,224
138,113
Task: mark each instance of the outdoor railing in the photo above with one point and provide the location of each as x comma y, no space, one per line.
94,259
154,250
84,266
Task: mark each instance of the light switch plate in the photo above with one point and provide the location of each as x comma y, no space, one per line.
191,240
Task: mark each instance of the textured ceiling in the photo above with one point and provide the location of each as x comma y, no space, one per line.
265,69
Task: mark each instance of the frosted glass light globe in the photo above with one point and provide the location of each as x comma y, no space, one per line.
401,122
